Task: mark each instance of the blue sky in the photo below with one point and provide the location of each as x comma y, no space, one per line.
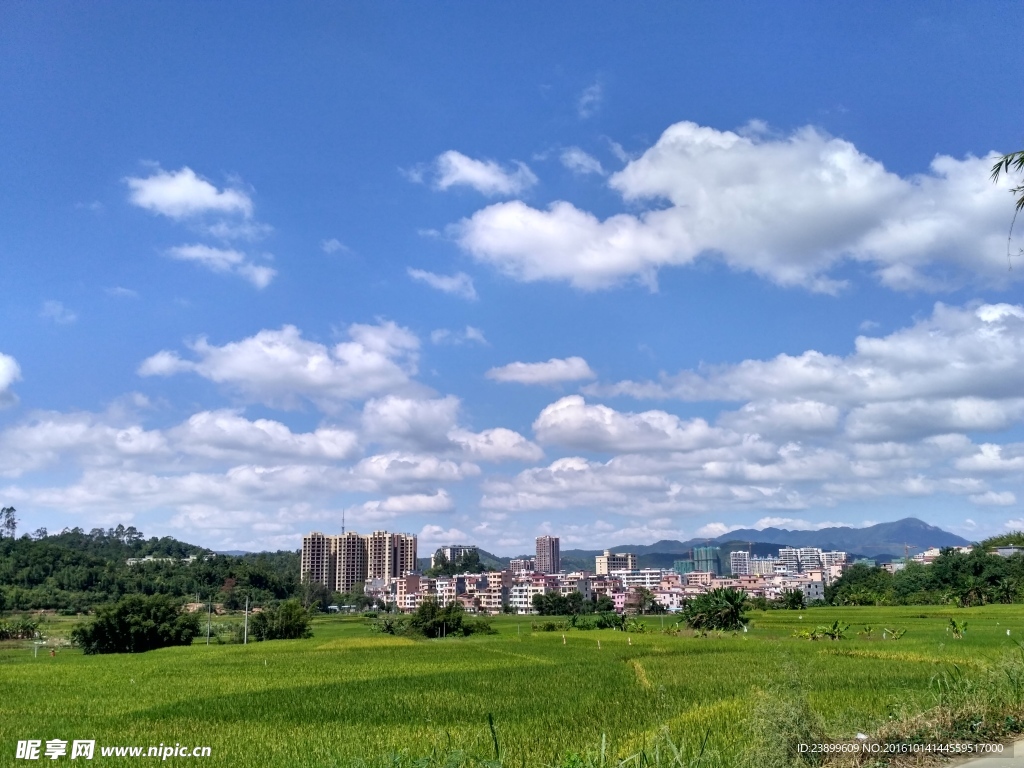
482,272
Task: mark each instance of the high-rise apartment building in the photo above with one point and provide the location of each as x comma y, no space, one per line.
389,554
706,559
608,562
739,563
350,561
341,562
790,558
522,565
317,561
547,554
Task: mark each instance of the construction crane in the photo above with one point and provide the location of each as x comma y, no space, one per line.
906,551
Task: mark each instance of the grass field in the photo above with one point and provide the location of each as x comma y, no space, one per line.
348,695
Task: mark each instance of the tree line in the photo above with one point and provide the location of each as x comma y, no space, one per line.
74,571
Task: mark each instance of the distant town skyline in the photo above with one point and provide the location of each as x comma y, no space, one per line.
488,273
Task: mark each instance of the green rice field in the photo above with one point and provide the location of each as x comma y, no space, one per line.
349,696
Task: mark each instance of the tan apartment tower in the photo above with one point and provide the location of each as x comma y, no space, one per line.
350,561
608,562
317,563
547,555
341,562
389,555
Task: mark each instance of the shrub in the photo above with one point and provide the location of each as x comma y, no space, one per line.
287,621
720,608
135,624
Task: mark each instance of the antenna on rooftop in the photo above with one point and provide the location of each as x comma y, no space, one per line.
343,522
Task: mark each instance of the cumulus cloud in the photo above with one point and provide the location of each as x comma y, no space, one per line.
282,368
460,284
226,434
56,312
790,209
487,177
115,439
224,260
579,162
573,423
554,371
394,506
435,536
496,445
182,194
10,372
421,424
959,370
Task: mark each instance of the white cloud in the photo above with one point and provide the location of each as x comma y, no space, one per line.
334,245
714,530
497,444
790,209
433,536
485,176
578,161
554,371
790,417
226,434
398,468
960,370
994,499
183,194
394,506
469,334
573,423
224,260
589,101
10,372
120,292
410,422
459,284
58,313
281,368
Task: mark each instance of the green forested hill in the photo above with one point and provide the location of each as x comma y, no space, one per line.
74,570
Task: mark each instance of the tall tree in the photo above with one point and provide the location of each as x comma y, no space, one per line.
8,522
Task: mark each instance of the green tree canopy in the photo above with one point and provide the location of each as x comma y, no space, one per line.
135,624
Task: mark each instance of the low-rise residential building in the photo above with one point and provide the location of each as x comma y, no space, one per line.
649,578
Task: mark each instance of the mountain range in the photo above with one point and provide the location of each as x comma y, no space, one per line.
883,541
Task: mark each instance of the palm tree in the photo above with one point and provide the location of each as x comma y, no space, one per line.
792,599
720,608
1005,590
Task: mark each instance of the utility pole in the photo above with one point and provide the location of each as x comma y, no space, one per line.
245,634
209,620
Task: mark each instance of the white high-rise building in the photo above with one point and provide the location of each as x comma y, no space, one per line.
739,563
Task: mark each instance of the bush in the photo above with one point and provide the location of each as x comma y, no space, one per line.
135,624
720,609
287,621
